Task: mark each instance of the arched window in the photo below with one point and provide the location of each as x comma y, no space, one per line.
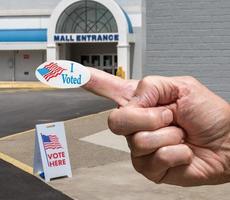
86,17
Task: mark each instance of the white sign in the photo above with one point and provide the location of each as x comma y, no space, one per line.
88,37
62,74
51,158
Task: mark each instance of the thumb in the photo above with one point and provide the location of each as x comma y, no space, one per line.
155,91
110,86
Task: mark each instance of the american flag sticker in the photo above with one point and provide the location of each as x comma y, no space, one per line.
63,74
51,70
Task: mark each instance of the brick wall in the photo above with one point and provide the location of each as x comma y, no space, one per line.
190,37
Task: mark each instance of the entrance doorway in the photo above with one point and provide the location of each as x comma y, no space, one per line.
105,62
74,19
101,56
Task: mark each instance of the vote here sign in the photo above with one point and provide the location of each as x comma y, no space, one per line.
51,158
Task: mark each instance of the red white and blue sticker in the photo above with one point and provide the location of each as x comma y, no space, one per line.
62,74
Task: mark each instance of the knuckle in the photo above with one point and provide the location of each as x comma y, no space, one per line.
156,178
147,79
137,166
139,143
189,155
157,181
224,111
162,156
113,122
151,113
156,119
191,80
148,90
146,170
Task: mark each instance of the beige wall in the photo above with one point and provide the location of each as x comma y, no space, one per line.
20,65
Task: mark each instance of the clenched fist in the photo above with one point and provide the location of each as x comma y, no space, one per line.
178,130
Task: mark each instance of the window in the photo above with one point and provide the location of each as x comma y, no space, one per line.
96,61
85,60
115,61
108,61
86,17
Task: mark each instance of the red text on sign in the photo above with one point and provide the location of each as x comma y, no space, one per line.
57,159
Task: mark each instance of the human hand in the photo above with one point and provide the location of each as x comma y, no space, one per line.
194,150
111,87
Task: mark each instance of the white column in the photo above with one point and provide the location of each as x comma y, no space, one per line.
123,53
52,52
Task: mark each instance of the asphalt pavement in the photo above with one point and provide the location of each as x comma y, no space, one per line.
101,166
100,160
21,110
18,185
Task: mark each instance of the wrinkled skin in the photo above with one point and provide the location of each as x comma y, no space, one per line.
178,130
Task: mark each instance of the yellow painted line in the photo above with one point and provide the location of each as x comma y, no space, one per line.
21,84
16,163
16,134
24,166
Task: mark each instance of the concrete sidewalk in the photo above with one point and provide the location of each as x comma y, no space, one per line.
102,168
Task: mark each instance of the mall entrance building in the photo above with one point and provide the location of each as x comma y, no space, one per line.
140,37
95,33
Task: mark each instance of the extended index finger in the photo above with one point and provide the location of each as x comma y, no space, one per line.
110,86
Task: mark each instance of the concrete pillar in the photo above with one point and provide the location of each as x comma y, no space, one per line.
123,53
52,52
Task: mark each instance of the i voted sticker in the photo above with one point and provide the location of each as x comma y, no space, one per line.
63,74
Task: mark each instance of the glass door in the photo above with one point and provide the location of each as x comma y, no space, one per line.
85,60
96,61
110,63
105,62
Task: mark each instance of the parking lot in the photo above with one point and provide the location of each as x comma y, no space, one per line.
21,110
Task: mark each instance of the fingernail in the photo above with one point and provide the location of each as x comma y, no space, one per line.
167,116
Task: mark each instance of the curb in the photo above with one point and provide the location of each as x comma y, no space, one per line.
24,167
22,85
20,165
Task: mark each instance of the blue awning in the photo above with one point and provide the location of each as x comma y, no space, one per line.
23,35
130,27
